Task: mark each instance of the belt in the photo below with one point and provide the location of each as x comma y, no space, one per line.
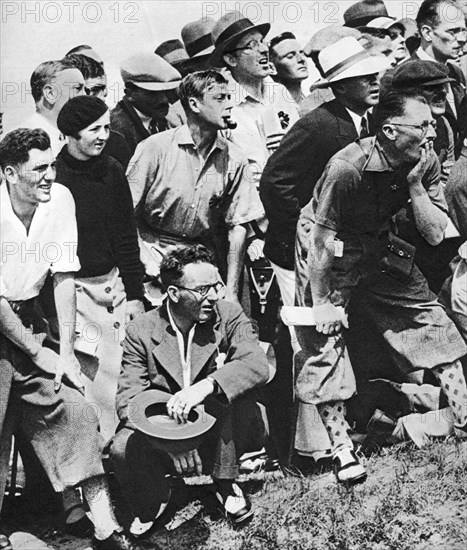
24,309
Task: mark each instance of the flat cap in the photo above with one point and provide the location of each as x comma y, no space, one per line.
420,73
150,72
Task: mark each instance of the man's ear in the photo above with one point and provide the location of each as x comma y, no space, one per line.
51,93
389,131
193,103
11,174
426,32
230,59
173,293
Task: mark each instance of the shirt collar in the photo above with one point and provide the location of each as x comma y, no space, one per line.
184,137
377,161
145,119
422,54
356,119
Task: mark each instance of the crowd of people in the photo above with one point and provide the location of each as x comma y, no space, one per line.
293,260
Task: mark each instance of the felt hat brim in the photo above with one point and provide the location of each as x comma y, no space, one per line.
148,414
223,47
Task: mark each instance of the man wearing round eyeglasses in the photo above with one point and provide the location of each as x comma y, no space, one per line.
441,24
201,349
346,254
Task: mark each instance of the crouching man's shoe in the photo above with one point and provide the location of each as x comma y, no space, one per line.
348,468
5,543
232,501
121,541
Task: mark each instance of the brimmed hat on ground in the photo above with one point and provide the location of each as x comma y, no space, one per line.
228,30
420,73
148,414
150,72
172,51
361,13
347,58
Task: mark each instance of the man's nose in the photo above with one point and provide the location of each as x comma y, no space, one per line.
50,173
431,134
263,47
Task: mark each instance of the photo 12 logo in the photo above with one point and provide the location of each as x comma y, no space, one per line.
70,12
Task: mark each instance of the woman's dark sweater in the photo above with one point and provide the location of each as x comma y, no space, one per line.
107,235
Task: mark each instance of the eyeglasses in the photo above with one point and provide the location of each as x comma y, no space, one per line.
456,32
254,45
204,289
423,127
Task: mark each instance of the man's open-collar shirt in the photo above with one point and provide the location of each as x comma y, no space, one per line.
357,195
175,190
261,122
48,247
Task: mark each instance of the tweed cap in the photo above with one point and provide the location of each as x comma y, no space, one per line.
150,72
418,73
361,13
79,112
228,30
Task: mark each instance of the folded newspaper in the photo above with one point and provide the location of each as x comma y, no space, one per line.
304,316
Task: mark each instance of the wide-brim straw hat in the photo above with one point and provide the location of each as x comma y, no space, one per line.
347,58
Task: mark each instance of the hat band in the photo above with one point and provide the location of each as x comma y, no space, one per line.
232,30
199,45
343,65
363,20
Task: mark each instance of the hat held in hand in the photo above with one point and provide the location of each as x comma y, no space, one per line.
147,413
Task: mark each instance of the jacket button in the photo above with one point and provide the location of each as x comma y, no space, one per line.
108,290
110,309
401,253
116,324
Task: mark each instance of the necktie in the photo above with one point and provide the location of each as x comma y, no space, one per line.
153,127
364,129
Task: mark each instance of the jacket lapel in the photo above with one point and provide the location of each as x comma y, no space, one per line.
139,127
346,127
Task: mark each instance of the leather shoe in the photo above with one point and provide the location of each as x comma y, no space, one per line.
232,501
121,541
348,468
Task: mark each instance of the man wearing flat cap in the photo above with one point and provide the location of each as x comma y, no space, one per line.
443,32
143,110
202,350
430,79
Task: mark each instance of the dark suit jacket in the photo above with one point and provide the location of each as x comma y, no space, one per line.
292,171
151,357
125,120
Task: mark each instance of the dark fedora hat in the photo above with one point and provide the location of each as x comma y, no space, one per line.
420,73
361,13
148,414
172,51
228,30
197,38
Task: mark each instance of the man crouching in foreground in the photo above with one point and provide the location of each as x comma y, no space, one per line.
179,348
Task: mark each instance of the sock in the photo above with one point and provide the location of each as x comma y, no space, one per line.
452,381
96,493
334,421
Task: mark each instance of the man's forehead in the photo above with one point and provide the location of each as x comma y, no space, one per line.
287,46
70,75
417,109
38,157
199,273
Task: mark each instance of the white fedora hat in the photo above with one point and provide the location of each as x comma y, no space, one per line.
348,58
